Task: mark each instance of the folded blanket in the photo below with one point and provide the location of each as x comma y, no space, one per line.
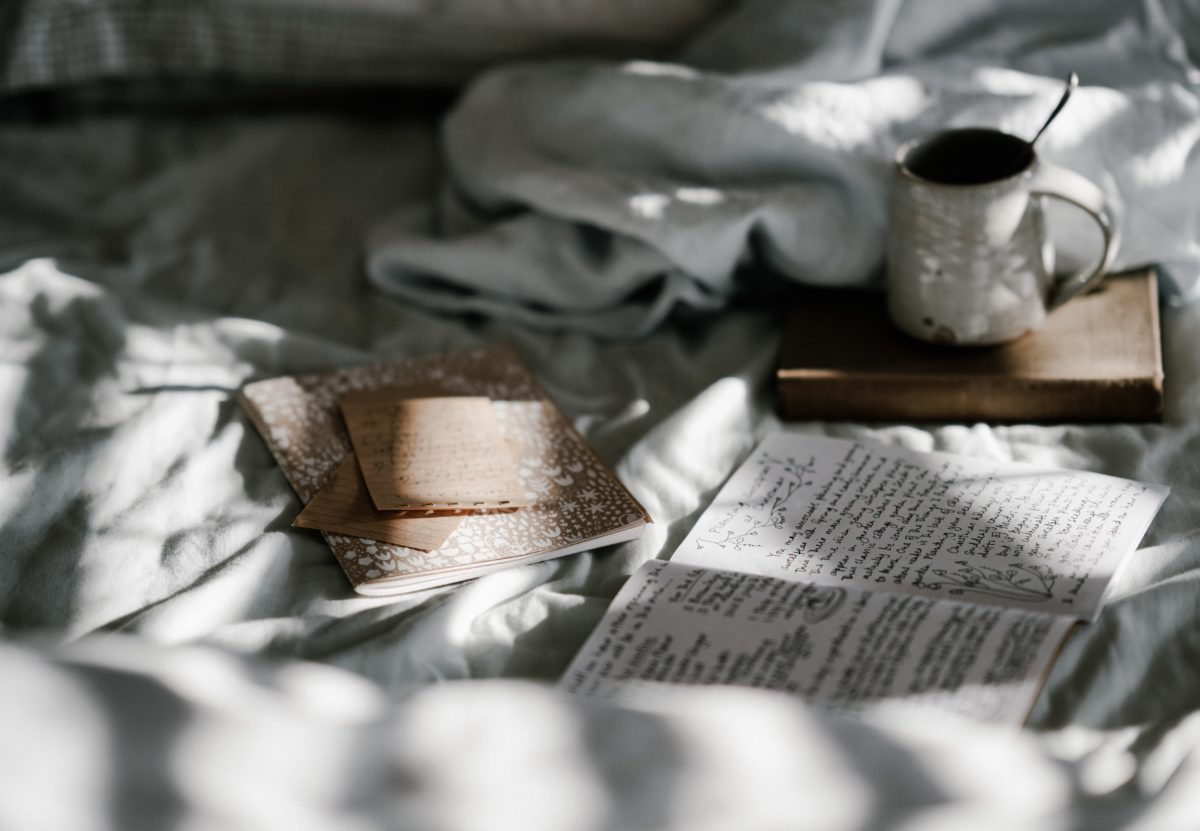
599,195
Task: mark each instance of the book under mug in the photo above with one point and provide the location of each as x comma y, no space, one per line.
1098,358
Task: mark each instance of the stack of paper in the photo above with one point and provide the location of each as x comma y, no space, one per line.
439,469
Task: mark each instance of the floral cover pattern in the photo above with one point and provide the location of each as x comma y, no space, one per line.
574,496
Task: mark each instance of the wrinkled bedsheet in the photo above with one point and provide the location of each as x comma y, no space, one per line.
174,653
173,648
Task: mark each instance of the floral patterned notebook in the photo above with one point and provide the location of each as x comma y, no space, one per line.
576,501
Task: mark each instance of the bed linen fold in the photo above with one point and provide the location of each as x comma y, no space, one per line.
600,195
139,737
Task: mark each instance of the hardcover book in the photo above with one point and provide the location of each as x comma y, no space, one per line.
1098,358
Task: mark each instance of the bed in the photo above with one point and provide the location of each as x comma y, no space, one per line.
625,204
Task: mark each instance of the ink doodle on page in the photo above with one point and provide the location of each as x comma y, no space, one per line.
859,513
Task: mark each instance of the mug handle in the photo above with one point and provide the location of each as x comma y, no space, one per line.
1051,180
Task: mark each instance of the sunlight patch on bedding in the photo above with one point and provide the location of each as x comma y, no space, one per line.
212,678
653,206
649,205
999,753
1091,109
475,599
842,116
1165,163
656,69
999,81
699,196
721,410
470,744
808,759
331,694
1109,769
1164,762
1110,761
64,737
228,597
623,417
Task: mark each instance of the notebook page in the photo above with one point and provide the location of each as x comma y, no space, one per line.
864,514
842,648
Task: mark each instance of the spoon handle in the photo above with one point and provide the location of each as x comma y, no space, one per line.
1072,82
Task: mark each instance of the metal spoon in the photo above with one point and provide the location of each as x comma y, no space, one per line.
1072,82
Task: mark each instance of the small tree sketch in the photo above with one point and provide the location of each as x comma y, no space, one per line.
795,476
1026,583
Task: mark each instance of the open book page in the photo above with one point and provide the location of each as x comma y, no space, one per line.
863,514
844,648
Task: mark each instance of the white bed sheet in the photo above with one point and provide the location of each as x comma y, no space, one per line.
174,653
154,266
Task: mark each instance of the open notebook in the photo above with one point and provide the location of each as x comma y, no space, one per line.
575,502
854,573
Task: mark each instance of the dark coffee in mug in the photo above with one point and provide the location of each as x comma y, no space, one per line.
969,156
968,259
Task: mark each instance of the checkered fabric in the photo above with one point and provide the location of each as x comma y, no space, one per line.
61,42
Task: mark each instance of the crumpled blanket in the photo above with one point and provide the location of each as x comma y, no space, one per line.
601,195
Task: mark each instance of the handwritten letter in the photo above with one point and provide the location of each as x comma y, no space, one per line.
433,453
343,507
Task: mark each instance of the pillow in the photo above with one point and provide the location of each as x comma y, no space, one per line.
53,43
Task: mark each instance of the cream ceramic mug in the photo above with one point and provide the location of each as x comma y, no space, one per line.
968,261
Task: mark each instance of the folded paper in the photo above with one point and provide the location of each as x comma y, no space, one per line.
343,507
430,453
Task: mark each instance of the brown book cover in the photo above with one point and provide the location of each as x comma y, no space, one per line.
1098,358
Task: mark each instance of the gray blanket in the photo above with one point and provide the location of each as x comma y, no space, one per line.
600,195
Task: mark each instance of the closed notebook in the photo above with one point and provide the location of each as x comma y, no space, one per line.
575,501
